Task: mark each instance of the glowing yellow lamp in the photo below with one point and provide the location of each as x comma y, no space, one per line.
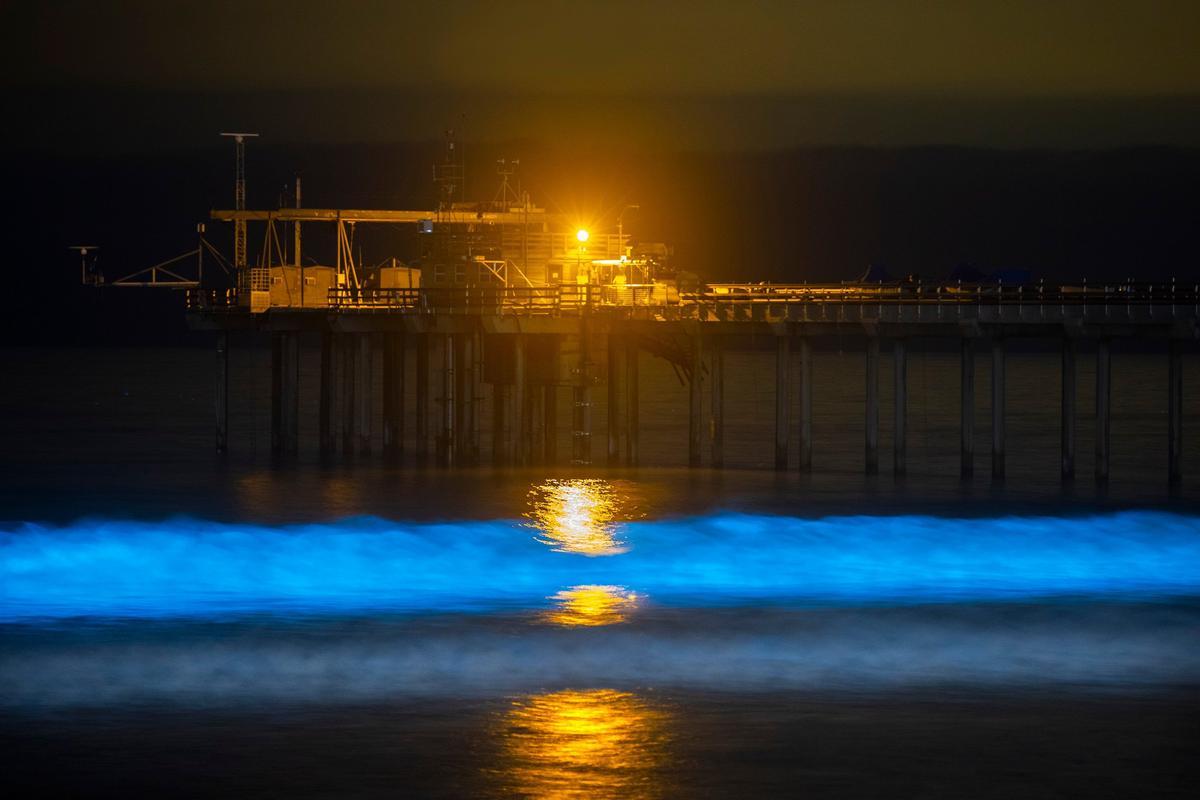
581,235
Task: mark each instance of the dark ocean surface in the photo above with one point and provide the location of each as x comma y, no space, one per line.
173,623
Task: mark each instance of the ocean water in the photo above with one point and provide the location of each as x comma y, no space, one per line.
174,623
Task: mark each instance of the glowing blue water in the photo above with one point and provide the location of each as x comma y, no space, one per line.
187,567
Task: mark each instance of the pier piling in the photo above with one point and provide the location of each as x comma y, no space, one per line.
325,434
900,407
717,411
1175,412
550,423
998,394
446,438
806,390
872,406
631,402
363,372
393,395
1068,409
783,399
1103,395
695,405
521,431
966,413
614,417
222,394
421,406
348,404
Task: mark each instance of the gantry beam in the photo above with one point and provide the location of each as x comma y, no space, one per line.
393,216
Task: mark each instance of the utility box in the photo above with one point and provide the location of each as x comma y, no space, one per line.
399,278
286,289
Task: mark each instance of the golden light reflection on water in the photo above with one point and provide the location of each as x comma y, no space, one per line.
591,605
598,743
577,516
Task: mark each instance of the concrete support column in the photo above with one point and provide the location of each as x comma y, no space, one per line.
349,402
550,423
806,389
783,399
1175,412
614,417
446,436
521,432
695,404
631,402
393,395
365,385
717,411
1068,397
421,406
1103,395
325,433
900,407
222,393
998,393
871,457
966,412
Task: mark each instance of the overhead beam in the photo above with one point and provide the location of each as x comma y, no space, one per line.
383,215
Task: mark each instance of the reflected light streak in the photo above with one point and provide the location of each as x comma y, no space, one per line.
591,606
587,744
576,516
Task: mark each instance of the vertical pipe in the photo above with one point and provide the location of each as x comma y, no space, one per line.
631,401
1103,393
966,411
325,407
717,411
614,421
349,414
998,393
363,373
783,399
222,432
276,393
806,389
872,421
695,406
1068,409
421,407
445,439
900,407
550,425
1175,412
520,428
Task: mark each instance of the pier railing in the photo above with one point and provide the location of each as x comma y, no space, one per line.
722,301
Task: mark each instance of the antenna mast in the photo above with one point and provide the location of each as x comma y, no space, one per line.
239,198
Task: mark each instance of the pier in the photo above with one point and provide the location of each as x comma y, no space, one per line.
517,345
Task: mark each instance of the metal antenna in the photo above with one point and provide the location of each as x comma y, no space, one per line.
239,197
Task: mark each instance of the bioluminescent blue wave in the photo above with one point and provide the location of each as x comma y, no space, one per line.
186,567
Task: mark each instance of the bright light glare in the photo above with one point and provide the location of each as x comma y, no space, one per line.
581,235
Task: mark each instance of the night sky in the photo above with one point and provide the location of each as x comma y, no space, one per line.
766,141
